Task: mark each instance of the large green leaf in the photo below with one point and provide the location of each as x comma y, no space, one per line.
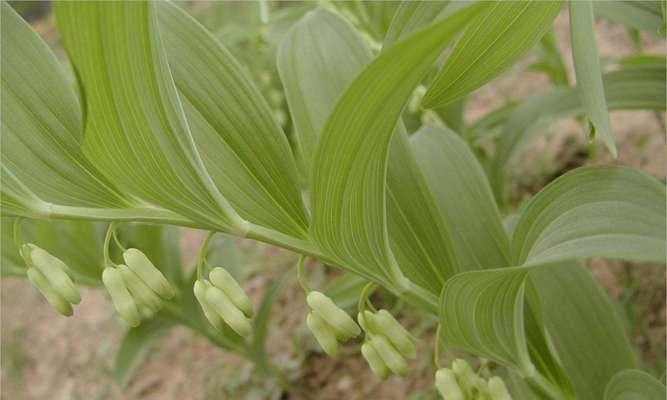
348,184
244,150
324,50
411,15
489,313
491,43
136,131
42,128
588,71
597,211
634,385
464,196
374,17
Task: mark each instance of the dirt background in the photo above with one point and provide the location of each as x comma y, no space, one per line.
46,356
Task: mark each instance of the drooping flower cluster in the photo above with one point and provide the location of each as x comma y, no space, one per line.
387,344
329,324
223,301
50,276
137,288
462,383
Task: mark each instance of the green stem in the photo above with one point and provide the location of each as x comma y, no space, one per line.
118,243
201,257
107,243
300,274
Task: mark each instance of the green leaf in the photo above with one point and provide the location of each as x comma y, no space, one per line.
374,17
575,326
634,385
492,42
620,214
348,181
242,147
583,326
411,15
134,347
642,15
136,131
314,74
322,47
588,72
42,129
345,289
450,167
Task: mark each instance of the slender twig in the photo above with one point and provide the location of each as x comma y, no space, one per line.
201,257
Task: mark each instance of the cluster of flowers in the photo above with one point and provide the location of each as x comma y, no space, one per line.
330,324
223,301
137,288
462,383
387,343
50,276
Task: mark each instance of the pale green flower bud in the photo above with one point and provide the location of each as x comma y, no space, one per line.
447,386
222,279
120,296
343,325
144,268
467,378
40,282
143,296
385,323
214,319
374,360
497,389
55,272
324,334
224,307
391,357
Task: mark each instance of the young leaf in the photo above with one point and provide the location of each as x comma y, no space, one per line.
634,384
136,130
42,128
620,214
588,71
491,43
244,150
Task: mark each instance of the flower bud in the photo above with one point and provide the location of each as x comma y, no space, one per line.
144,268
55,272
222,279
40,282
374,360
497,389
467,378
143,296
391,357
343,325
447,386
214,319
398,336
224,307
323,334
120,296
